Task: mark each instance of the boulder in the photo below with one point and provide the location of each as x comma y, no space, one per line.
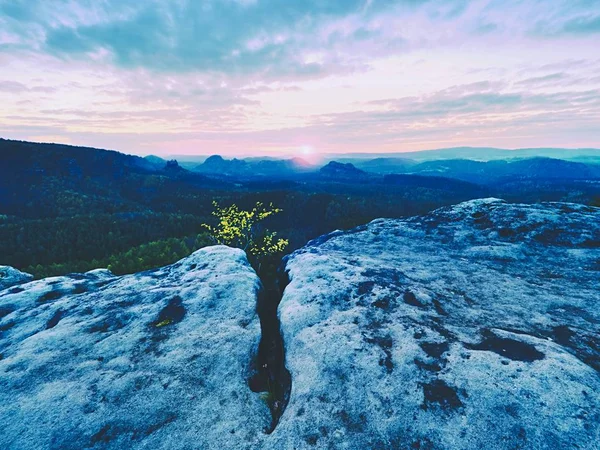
476,326
9,276
156,360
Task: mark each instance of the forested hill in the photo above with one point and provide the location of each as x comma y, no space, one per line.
50,180
59,159
66,208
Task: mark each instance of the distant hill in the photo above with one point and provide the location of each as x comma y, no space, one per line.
490,153
156,161
340,171
432,182
474,153
593,160
216,164
38,180
493,171
274,167
252,167
59,159
382,163
385,165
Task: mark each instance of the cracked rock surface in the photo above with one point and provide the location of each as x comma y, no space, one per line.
476,326
156,360
9,276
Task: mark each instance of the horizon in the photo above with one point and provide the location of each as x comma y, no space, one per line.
255,78
317,159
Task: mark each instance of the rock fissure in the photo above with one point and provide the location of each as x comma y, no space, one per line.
271,377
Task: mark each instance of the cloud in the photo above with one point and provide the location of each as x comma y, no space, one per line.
550,79
15,87
269,36
272,38
577,19
470,111
487,113
486,28
18,10
589,24
252,74
12,86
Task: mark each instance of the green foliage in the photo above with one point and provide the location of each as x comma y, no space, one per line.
156,254
164,323
242,229
25,242
139,258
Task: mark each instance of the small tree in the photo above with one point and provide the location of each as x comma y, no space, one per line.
242,229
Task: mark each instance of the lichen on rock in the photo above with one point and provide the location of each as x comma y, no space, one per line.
158,359
9,276
475,326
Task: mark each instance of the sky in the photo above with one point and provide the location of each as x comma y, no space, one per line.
298,77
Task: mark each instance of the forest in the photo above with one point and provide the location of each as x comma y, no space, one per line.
70,209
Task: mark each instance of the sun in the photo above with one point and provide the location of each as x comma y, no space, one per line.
308,154
307,150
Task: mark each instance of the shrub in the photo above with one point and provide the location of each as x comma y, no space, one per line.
243,229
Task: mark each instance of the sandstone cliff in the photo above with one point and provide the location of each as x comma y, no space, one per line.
476,326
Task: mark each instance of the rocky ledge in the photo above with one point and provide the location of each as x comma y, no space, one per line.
9,276
476,326
155,360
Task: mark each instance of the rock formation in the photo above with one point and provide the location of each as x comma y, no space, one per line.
155,360
476,326
9,276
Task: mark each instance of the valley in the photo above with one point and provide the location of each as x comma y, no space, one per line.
72,209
